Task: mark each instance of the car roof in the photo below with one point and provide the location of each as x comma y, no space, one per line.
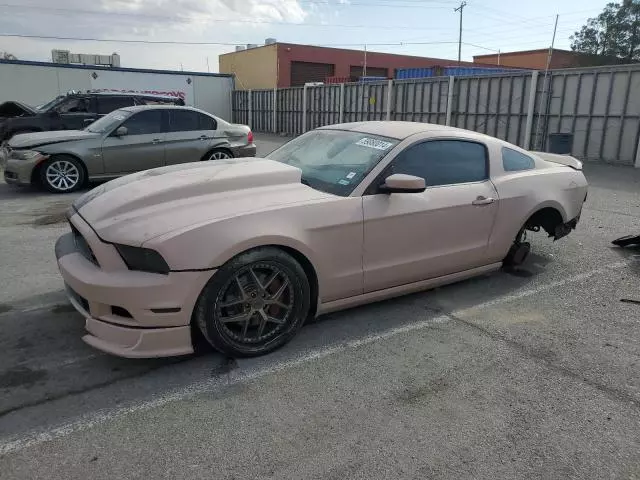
402,130
122,94
138,108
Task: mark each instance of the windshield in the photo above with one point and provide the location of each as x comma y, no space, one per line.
47,106
108,122
334,161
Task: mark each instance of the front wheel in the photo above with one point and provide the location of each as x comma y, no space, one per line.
62,174
254,304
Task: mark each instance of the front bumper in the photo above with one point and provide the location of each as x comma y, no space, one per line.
128,313
18,172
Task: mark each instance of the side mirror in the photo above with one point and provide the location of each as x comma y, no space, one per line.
401,183
121,131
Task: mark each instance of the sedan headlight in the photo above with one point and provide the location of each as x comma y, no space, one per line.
26,154
143,259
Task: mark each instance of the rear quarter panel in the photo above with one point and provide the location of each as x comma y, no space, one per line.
523,193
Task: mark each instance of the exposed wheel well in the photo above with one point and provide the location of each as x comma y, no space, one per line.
547,218
224,149
35,174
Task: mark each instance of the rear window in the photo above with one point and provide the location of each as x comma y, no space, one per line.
513,161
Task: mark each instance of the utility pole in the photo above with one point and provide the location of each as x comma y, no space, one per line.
460,9
539,141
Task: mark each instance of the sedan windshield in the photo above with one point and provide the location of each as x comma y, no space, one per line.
108,122
334,161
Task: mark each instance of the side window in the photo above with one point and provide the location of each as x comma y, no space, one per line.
109,104
206,122
184,121
444,162
74,105
144,123
513,161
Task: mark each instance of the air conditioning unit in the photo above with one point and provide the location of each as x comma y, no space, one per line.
60,56
240,48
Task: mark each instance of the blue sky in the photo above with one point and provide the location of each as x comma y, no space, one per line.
413,27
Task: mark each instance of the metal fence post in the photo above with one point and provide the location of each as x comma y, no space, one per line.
449,100
389,97
341,108
530,110
249,108
304,109
275,110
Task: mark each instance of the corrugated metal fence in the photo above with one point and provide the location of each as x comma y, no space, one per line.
599,106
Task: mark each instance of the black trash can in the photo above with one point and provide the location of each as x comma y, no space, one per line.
560,143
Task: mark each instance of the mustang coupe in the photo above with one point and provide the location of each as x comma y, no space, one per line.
237,253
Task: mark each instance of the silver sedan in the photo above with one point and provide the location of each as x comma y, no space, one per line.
125,141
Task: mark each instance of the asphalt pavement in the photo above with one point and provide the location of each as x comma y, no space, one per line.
528,374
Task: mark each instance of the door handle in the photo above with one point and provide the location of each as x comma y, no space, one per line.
155,141
203,137
483,200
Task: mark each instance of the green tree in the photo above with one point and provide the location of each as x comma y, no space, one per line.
615,33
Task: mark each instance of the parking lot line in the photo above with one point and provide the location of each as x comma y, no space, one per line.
238,376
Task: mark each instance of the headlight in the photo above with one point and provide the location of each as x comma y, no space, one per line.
26,154
143,259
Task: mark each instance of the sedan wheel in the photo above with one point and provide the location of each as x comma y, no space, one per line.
62,175
219,155
254,304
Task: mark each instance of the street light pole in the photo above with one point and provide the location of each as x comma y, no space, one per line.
460,9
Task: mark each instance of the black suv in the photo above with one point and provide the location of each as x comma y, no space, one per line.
73,111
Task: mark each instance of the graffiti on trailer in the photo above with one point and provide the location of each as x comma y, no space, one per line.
172,93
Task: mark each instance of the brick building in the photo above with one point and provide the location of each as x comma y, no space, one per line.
288,64
537,59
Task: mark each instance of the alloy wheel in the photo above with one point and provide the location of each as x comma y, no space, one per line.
62,175
219,155
254,306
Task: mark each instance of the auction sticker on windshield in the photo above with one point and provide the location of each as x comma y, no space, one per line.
373,143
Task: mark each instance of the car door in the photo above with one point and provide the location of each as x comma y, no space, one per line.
190,136
141,148
74,112
410,237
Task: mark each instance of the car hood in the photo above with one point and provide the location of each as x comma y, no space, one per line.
37,139
16,109
141,206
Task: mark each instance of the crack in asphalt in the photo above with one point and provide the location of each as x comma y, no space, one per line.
611,392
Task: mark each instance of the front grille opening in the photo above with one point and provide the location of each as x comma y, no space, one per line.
120,312
79,298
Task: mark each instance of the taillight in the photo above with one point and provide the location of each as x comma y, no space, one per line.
250,137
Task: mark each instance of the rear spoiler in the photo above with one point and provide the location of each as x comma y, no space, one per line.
567,160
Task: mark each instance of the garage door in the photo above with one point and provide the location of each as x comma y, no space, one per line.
303,72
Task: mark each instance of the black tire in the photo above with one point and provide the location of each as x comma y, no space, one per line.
222,153
68,181
214,308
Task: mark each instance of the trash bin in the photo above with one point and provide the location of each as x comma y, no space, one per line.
560,143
